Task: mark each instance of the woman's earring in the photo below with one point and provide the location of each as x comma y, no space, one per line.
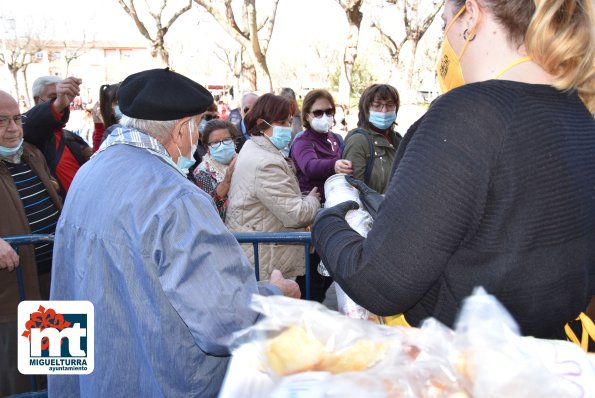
465,33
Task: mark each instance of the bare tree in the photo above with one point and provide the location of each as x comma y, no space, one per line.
416,21
354,18
71,54
247,35
158,49
17,54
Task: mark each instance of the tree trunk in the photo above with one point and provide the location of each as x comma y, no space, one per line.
27,86
160,53
411,65
249,75
263,70
354,17
13,73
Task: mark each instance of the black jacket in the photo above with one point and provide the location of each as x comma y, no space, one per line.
39,127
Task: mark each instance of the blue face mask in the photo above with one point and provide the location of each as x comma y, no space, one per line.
117,113
7,152
202,125
183,162
382,120
224,152
281,136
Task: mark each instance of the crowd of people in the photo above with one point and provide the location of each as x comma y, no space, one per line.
493,186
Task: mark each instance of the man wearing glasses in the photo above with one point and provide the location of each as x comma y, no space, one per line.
65,152
30,204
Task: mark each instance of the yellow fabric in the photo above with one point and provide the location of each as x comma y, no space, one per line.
396,320
588,332
511,65
450,75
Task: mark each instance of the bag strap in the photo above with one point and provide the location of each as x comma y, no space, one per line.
587,332
370,164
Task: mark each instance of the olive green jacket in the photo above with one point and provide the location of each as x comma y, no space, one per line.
357,150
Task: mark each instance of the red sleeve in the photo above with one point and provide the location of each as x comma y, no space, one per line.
97,134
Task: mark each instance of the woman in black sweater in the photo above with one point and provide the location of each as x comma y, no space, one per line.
495,185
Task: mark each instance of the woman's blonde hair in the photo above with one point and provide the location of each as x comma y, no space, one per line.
559,35
561,38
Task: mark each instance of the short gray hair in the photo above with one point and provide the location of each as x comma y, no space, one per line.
158,129
40,83
245,97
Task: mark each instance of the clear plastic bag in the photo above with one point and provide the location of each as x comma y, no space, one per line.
329,355
498,362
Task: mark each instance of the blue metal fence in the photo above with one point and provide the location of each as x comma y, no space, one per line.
301,238
255,238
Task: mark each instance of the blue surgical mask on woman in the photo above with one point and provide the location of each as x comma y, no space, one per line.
281,136
224,153
382,120
7,152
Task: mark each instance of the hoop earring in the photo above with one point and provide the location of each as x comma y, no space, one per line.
465,33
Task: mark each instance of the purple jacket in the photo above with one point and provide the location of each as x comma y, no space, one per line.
314,155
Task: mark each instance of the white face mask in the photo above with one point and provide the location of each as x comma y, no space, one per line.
322,124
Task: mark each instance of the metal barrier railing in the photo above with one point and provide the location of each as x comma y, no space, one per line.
15,242
255,238
302,238
19,240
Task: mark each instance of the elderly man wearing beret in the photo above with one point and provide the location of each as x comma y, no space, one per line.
166,278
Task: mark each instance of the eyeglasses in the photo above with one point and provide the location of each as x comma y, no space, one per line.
49,98
208,117
319,112
217,144
379,106
17,119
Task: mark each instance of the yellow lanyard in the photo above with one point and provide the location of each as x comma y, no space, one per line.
512,65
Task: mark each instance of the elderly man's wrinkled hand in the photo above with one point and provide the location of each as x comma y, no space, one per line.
288,287
66,91
9,259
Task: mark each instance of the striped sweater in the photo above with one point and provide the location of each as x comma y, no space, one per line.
494,186
41,212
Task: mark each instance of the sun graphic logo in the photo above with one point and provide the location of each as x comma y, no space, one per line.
56,337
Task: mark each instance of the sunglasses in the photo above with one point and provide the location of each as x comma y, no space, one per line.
319,112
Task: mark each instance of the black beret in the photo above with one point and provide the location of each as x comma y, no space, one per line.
162,94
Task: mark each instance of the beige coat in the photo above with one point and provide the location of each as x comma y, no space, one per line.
264,196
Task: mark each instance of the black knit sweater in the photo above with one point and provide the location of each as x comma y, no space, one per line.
494,186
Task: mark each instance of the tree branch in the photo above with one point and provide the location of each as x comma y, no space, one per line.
131,11
178,14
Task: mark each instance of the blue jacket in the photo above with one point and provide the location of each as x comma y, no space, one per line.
166,278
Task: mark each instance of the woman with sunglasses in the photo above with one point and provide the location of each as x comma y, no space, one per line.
213,174
495,185
265,195
371,146
316,153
